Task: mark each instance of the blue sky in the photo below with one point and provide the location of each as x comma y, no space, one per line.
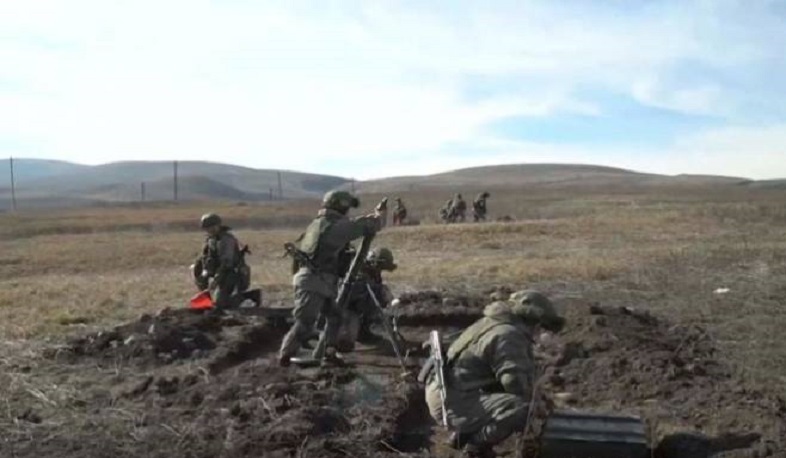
370,89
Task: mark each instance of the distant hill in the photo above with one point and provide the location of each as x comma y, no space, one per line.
52,183
31,169
42,183
550,175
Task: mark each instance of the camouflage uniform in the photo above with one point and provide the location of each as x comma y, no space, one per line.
458,209
448,212
362,313
490,371
316,289
399,213
222,261
479,208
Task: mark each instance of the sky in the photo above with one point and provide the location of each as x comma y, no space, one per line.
368,89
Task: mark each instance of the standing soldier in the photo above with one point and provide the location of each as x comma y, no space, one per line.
489,373
479,208
316,284
222,269
459,209
399,212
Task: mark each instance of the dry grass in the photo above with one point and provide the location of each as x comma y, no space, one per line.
668,251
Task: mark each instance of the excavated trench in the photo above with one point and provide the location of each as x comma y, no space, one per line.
203,385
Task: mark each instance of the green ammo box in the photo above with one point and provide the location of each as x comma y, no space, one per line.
586,435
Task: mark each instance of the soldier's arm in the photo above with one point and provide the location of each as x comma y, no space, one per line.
348,230
511,362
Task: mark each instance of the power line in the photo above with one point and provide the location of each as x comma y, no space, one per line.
174,179
13,184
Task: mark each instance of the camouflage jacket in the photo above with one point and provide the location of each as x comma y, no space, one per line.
360,300
494,354
479,205
221,253
325,238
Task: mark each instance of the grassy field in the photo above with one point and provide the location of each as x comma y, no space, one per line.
674,252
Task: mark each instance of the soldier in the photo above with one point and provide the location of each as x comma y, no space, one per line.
479,207
316,285
490,372
399,212
222,269
458,209
362,310
447,212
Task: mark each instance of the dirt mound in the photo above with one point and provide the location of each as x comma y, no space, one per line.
262,407
202,385
620,359
168,336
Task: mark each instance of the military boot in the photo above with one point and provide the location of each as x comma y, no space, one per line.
284,361
332,358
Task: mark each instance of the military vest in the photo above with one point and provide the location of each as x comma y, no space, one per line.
309,244
212,256
466,339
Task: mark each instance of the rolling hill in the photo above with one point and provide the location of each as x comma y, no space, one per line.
64,184
42,183
547,175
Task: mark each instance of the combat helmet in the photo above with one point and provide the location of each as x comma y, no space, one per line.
210,220
382,258
535,308
340,201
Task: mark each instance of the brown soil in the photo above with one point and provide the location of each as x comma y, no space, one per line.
201,385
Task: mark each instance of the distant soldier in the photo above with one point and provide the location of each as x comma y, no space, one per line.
458,209
490,372
362,312
222,268
479,208
445,212
316,284
399,212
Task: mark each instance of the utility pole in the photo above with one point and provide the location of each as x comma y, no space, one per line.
271,194
174,179
280,187
13,184
142,189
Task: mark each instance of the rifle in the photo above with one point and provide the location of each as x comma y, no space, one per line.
299,257
389,330
439,373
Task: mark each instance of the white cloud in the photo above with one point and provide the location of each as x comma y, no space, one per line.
288,84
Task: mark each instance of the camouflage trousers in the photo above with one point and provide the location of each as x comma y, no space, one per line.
488,418
226,293
308,306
